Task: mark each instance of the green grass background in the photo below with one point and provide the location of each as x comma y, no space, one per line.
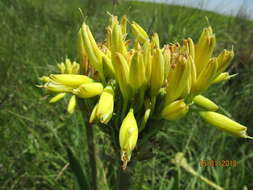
36,35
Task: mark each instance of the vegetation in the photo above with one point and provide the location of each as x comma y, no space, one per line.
36,35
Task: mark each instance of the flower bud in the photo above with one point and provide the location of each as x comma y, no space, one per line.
70,79
128,136
175,110
224,59
205,103
105,106
123,24
88,46
61,67
137,71
57,97
55,87
139,32
206,77
118,44
122,74
224,123
82,54
157,75
147,60
108,67
167,60
155,41
190,48
93,116
204,49
223,77
44,79
69,67
178,77
88,90
72,104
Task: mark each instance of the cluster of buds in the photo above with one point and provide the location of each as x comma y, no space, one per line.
136,81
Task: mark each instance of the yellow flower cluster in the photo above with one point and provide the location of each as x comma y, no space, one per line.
148,81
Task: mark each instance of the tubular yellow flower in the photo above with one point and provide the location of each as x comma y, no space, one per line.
128,136
155,41
122,74
88,90
147,60
137,71
44,79
55,87
224,60
108,67
72,104
57,97
69,67
205,103
178,77
93,52
123,24
189,45
175,110
224,123
223,77
70,79
88,46
204,48
105,106
117,43
139,32
93,116
206,77
167,60
61,67
157,75
82,55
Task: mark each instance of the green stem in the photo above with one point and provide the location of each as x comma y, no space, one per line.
124,180
90,143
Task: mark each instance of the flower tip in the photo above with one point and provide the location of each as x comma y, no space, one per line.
39,86
249,137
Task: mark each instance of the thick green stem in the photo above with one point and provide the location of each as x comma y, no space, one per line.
124,180
90,144
92,154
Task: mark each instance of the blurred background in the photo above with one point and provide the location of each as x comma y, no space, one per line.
35,35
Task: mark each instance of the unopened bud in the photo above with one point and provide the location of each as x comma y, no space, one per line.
223,77
157,75
105,105
88,90
139,32
206,77
224,59
204,49
55,87
128,136
224,123
57,97
72,104
137,71
70,79
174,110
205,103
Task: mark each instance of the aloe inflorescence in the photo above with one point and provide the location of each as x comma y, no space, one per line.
132,82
